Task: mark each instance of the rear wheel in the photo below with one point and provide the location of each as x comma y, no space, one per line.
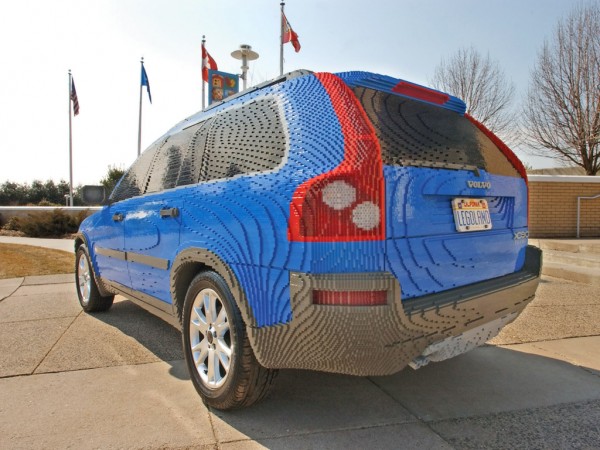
219,357
87,289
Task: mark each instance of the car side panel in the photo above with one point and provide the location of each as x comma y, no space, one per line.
151,242
244,219
107,242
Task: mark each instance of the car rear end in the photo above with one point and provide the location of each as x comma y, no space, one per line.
441,199
456,197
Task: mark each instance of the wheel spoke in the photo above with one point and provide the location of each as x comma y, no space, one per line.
202,348
210,306
223,347
222,324
213,367
199,321
224,353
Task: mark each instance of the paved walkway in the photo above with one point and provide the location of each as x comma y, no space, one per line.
118,380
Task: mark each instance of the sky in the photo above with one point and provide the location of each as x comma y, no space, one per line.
102,41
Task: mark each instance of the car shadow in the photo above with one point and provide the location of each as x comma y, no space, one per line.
154,334
320,410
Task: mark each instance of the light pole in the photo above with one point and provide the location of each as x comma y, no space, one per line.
245,53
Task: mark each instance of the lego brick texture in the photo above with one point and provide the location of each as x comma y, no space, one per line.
323,176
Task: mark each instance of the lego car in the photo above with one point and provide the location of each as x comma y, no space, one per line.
352,223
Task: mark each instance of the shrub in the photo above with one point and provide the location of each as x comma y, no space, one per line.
51,224
45,202
13,224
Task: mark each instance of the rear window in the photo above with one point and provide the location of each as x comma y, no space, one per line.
414,133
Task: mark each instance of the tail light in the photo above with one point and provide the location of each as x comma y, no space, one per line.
350,298
347,203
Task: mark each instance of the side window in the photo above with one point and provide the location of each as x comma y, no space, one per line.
164,171
134,181
189,171
170,162
246,139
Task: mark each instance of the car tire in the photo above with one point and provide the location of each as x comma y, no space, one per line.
217,351
88,293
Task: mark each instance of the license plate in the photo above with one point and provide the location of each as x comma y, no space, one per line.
471,214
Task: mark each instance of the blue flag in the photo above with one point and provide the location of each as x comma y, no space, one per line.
145,82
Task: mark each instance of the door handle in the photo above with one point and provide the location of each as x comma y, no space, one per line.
118,217
169,212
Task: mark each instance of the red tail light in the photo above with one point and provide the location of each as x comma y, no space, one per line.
350,298
347,203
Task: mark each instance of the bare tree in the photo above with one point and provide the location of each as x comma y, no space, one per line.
481,83
562,112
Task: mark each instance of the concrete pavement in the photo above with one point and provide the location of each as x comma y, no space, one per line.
118,380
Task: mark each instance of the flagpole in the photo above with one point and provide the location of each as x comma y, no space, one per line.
70,144
281,40
139,148
202,73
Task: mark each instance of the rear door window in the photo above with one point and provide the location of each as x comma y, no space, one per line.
243,140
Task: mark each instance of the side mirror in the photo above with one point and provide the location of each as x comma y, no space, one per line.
93,195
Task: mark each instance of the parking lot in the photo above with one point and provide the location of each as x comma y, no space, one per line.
118,380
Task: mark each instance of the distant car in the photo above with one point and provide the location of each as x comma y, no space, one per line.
351,223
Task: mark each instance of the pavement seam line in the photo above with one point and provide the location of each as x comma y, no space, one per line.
332,430
81,369
567,359
518,410
16,289
55,343
38,320
542,340
212,427
411,412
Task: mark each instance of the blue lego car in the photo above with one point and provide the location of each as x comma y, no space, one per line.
351,223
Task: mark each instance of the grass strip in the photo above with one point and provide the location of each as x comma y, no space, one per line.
26,260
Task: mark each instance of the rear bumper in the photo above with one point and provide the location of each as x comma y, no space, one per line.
381,340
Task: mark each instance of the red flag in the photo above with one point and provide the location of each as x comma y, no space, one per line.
288,34
207,63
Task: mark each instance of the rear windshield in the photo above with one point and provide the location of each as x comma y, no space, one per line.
414,133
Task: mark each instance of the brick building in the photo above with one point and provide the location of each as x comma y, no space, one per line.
553,206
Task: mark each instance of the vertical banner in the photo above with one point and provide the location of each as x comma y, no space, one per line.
222,85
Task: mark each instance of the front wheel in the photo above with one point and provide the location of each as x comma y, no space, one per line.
87,289
219,357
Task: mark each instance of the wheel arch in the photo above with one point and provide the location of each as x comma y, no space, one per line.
193,260
81,239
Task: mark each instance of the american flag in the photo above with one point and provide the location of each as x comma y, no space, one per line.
74,98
